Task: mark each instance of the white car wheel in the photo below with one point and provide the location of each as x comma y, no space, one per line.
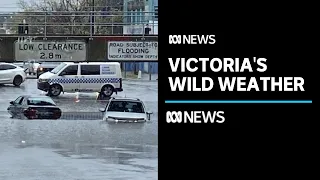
17,81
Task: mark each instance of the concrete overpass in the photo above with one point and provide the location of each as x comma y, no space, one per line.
96,46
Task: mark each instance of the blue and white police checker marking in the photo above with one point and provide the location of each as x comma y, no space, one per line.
84,80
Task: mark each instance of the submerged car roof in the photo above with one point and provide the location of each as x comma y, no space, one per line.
53,63
14,64
36,96
45,62
125,99
9,63
39,96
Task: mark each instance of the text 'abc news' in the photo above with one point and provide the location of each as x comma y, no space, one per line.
215,65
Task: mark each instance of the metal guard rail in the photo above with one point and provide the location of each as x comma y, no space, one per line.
87,23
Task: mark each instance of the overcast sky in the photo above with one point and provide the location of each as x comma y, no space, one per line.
8,5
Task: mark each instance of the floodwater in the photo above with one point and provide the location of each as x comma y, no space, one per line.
79,149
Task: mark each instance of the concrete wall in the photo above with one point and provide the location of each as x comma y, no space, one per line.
97,49
142,66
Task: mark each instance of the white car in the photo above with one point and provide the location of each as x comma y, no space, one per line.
125,110
30,66
12,74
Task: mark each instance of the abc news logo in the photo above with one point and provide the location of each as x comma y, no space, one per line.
195,117
192,39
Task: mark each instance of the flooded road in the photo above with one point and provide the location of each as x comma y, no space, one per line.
78,149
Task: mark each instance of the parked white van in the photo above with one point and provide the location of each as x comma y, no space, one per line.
71,77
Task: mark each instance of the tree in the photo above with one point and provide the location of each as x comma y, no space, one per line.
70,16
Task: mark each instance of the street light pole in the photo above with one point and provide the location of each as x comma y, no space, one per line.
93,18
24,30
45,20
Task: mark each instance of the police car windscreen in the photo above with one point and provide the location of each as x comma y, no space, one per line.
126,106
58,68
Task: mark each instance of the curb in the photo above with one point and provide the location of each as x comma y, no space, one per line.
140,80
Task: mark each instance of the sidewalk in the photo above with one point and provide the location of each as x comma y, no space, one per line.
129,76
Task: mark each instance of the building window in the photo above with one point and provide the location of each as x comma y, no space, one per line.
138,16
134,17
129,18
156,12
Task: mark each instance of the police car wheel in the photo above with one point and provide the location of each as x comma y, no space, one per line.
55,90
107,90
17,81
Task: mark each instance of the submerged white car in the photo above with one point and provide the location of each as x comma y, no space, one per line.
12,74
125,110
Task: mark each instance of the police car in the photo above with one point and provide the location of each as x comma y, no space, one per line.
101,77
125,110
